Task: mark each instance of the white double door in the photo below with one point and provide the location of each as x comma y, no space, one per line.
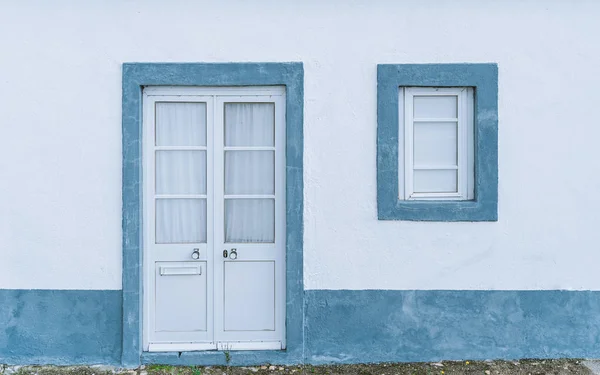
214,218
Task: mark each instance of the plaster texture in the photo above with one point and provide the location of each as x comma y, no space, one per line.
60,162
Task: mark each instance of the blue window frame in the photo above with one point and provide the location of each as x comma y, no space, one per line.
484,79
135,77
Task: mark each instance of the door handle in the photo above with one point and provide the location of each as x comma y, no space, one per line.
231,254
196,254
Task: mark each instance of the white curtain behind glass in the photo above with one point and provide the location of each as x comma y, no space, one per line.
181,172
249,124
250,172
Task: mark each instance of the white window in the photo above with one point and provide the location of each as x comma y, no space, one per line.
436,155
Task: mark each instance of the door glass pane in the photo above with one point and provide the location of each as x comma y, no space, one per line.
249,124
435,106
435,181
180,220
249,172
249,220
435,143
180,124
180,172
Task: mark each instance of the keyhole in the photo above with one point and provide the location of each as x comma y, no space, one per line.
225,253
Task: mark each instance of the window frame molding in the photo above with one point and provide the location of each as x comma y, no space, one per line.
483,78
135,77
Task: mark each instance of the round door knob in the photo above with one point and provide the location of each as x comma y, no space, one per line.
196,254
233,254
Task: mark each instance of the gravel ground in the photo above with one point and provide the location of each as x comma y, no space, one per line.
523,367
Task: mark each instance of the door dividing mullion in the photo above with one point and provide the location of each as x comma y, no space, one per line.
210,207
219,218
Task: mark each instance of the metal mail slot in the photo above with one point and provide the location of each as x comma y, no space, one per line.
180,271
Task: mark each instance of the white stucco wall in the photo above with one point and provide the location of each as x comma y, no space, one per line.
60,126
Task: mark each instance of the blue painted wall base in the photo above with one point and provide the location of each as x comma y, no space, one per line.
341,326
346,326
61,327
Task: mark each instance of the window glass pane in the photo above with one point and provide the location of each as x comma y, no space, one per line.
180,172
249,124
249,172
180,221
249,220
435,181
435,106
180,124
435,143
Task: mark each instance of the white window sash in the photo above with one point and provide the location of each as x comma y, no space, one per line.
465,140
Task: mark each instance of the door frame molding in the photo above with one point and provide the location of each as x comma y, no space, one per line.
135,77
